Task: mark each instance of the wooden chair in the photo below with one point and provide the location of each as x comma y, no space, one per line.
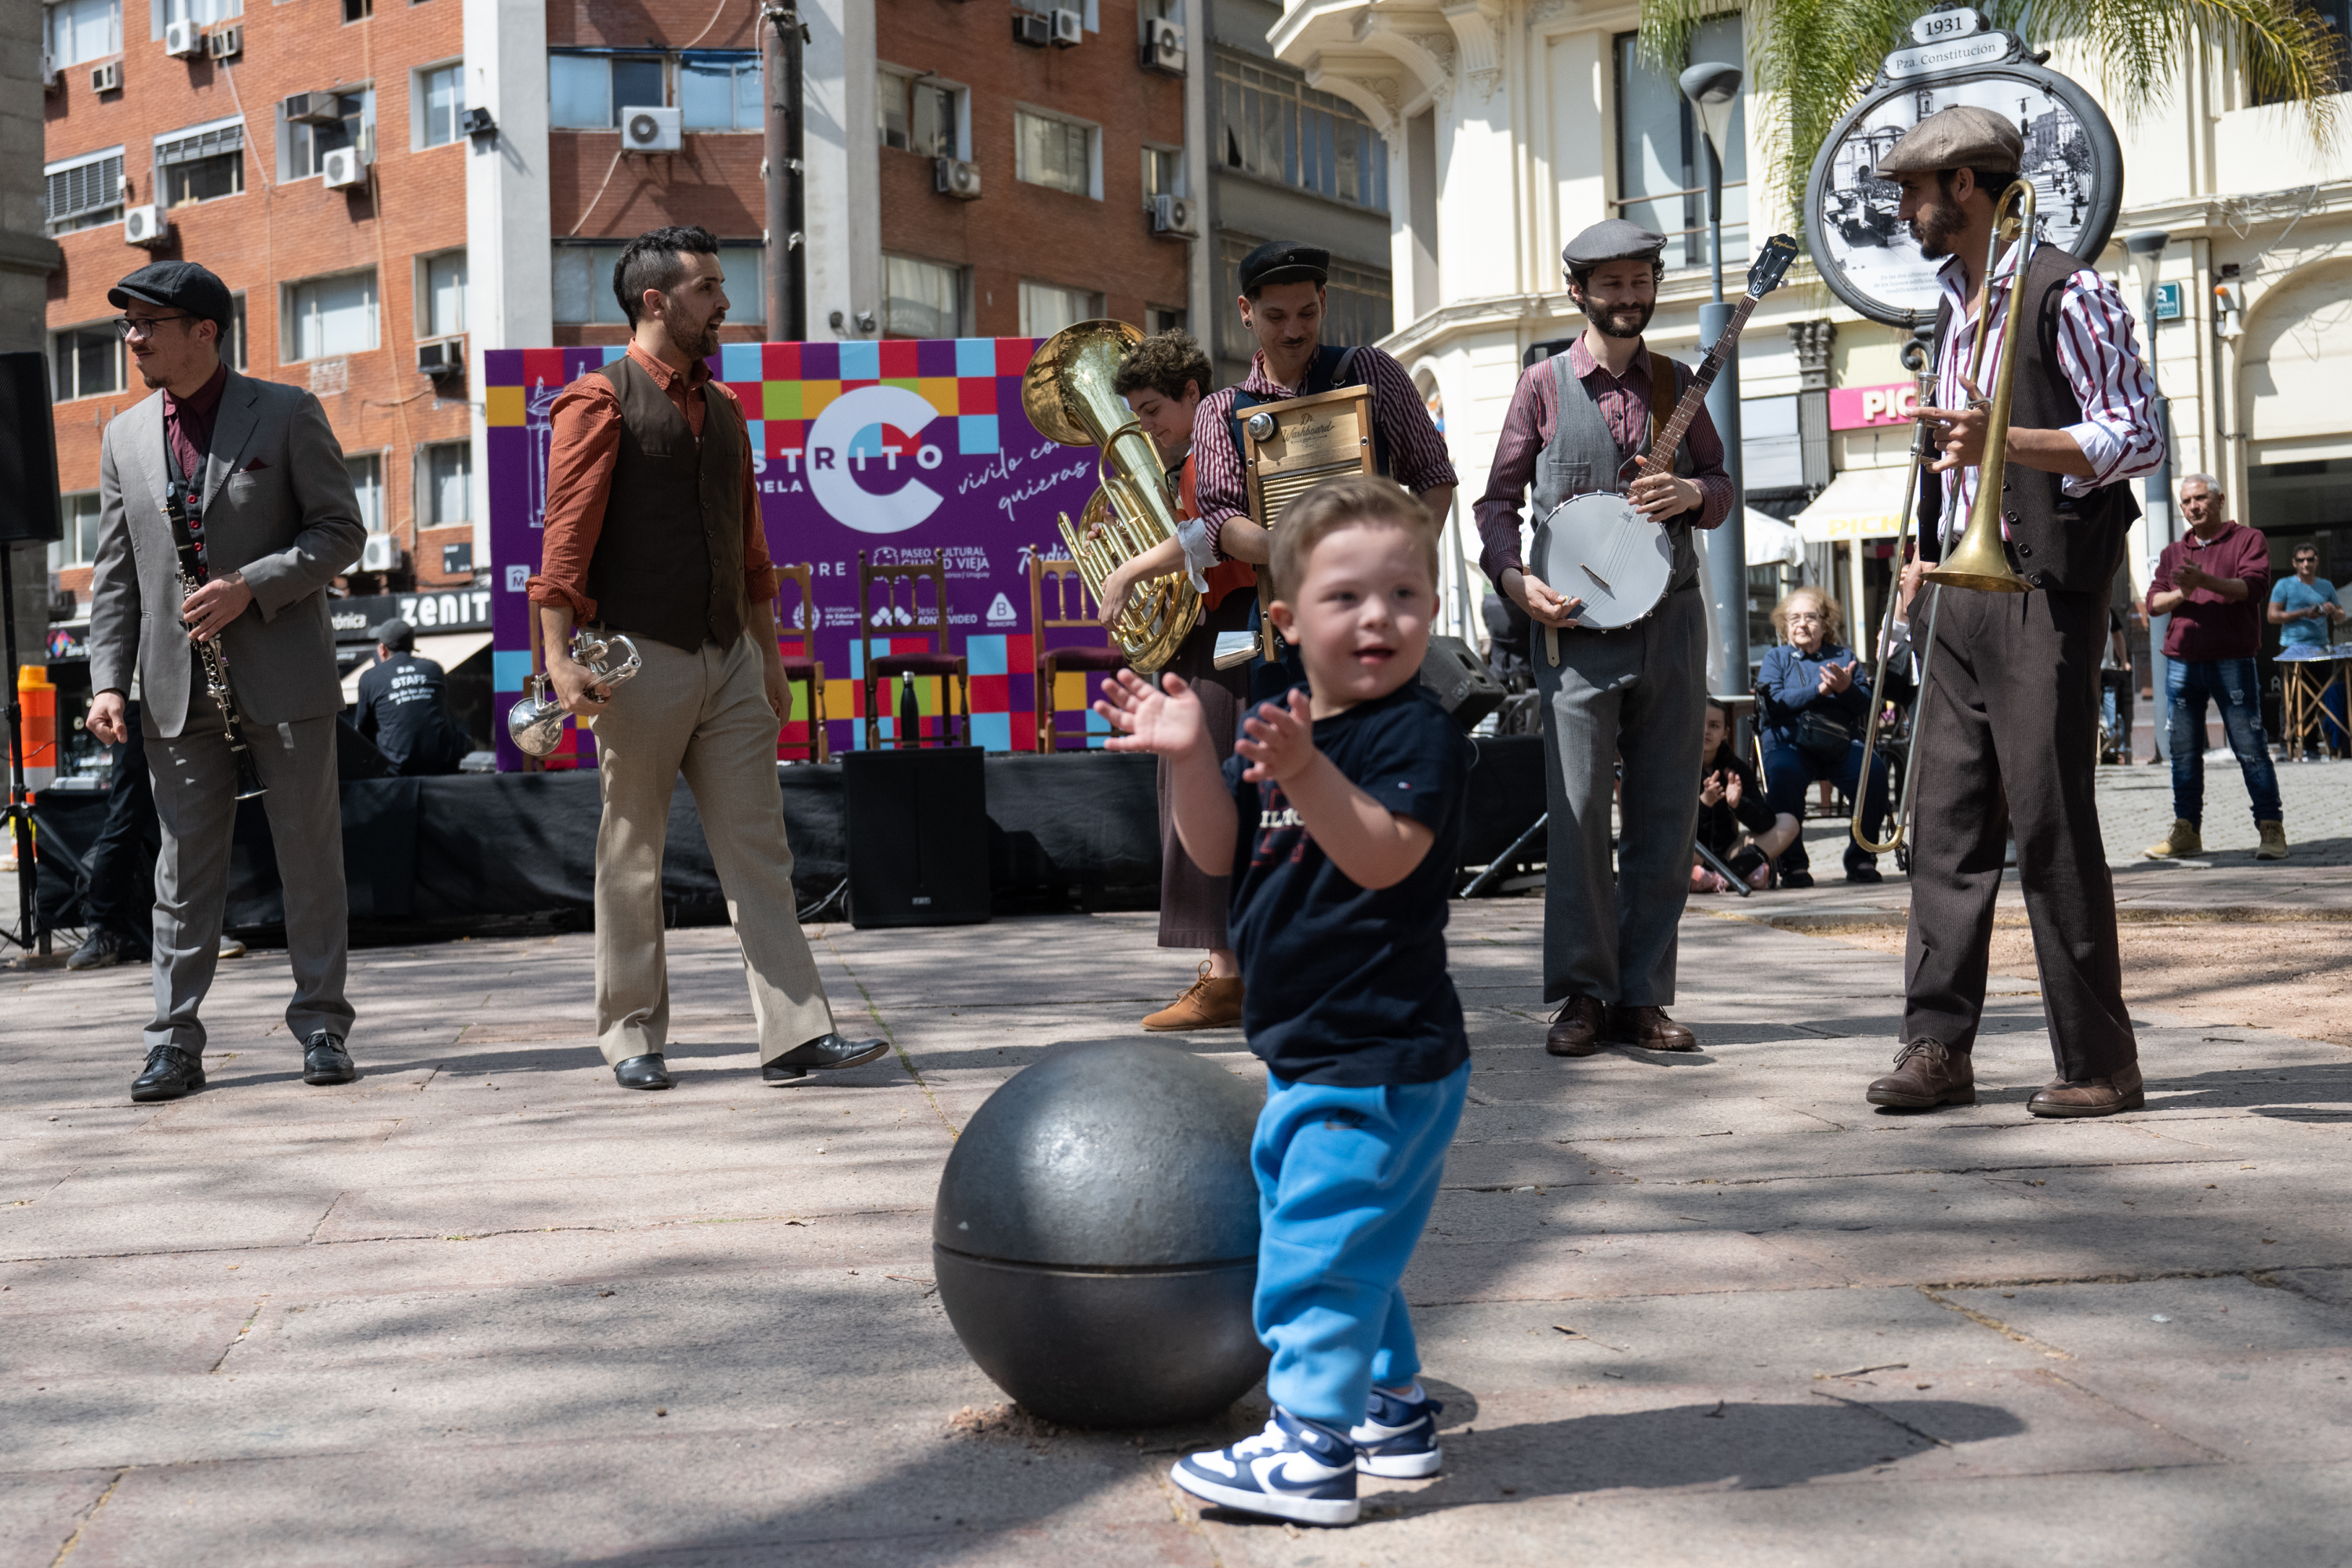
805,668
1051,663
910,666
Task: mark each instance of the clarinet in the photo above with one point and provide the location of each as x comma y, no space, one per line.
216,682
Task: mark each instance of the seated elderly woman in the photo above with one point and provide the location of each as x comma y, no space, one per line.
1730,799
1814,698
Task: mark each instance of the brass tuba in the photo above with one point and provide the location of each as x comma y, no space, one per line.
1066,393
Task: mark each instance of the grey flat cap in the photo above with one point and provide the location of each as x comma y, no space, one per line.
1613,239
1964,137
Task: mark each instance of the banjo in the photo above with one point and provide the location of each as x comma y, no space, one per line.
1595,547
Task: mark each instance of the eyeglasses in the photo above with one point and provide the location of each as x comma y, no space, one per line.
1808,616
144,326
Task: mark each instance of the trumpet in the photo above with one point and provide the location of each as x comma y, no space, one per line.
1981,559
535,723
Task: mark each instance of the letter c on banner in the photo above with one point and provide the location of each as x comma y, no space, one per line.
837,487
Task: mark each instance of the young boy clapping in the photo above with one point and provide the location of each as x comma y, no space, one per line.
1340,817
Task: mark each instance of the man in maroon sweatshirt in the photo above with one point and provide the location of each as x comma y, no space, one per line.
2214,584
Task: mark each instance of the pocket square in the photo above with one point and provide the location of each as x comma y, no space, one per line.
255,467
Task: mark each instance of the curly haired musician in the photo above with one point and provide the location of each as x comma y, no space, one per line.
1636,694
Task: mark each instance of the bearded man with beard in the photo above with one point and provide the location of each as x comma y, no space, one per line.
1636,695
652,528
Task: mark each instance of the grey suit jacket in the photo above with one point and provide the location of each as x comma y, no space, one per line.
277,506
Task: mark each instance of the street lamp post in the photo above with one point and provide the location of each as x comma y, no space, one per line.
2147,247
1713,89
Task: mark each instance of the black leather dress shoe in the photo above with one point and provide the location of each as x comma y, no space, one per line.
170,1073
324,1061
824,1052
641,1072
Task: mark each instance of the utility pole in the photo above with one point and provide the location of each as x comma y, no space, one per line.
785,175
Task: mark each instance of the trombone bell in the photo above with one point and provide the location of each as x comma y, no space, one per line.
1979,561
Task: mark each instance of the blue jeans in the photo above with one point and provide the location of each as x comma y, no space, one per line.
1345,1181
1787,773
2233,687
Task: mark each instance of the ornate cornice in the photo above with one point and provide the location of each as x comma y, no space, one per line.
1477,28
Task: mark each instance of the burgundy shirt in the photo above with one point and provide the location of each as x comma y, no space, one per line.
2206,625
188,426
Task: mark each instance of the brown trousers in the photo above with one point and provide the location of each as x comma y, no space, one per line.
2011,721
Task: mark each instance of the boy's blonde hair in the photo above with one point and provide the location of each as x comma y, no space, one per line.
1342,503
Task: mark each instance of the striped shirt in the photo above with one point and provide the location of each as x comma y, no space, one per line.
2098,354
1416,451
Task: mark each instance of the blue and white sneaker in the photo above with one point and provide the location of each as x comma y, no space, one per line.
1294,1469
1398,1438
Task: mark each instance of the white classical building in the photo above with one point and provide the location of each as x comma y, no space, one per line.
1512,124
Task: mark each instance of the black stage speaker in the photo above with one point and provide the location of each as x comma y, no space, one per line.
1460,679
917,826
28,451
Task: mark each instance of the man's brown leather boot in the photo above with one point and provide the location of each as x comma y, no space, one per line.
1648,1029
1928,1073
2092,1097
1577,1031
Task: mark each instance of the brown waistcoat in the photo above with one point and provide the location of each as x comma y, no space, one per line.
668,563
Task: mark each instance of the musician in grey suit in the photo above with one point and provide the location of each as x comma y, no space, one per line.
239,484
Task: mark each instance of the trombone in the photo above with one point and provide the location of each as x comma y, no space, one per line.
1979,561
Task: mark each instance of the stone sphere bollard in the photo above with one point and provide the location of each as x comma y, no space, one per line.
1095,1235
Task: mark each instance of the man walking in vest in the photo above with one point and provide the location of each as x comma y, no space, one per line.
2009,722
1638,694
652,528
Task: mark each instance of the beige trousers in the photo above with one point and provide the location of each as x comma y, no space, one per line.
705,715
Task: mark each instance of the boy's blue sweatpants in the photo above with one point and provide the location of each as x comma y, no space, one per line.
1345,1181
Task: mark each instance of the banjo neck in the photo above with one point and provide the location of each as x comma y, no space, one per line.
1660,457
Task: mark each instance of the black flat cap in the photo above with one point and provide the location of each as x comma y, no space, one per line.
1613,239
176,286
1284,261
397,635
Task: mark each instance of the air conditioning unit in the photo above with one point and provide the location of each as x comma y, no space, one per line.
1163,46
956,178
52,79
650,130
343,169
107,77
443,359
1176,218
182,39
1069,29
478,121
379,553
145,226
314,108
1032,29
225,43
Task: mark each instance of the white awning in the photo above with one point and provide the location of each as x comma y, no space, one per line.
1861,503
447,650
1771,543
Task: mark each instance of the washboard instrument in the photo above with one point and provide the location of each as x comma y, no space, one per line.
1291,446
1596,547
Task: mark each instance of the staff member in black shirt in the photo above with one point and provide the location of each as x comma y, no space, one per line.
404,707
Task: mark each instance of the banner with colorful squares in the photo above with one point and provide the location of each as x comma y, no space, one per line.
908,451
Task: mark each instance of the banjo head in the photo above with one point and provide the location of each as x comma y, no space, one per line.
1597,548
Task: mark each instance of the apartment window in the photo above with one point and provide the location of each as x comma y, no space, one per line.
1056,153
358,10
73,31
1278,128
921,299
328,316
200,165
84,192
366,471
88,361
80,545
441,294
918,114
306,145
1662,153
587,92
201,12
1162,318
721,91
1047,308
440,105
584,284
445,483
1163,172
236,332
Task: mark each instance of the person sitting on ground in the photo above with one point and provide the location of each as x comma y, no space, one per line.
1816,700
1730,799
403,707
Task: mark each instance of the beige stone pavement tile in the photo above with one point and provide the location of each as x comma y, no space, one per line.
1633,1263
40,1511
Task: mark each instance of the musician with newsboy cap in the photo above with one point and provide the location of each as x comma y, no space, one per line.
2009,719
1638,693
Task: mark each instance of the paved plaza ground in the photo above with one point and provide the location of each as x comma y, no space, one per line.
482,1307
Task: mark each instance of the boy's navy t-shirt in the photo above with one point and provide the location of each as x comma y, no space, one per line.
1346,985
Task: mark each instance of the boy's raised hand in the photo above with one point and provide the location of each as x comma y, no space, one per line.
1278,741
1166,720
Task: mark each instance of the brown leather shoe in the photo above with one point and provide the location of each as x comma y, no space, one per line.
1648,1029
1206,1005
1577,1031
1928,1073
2092,1097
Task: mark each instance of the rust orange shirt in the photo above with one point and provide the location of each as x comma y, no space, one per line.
584,437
